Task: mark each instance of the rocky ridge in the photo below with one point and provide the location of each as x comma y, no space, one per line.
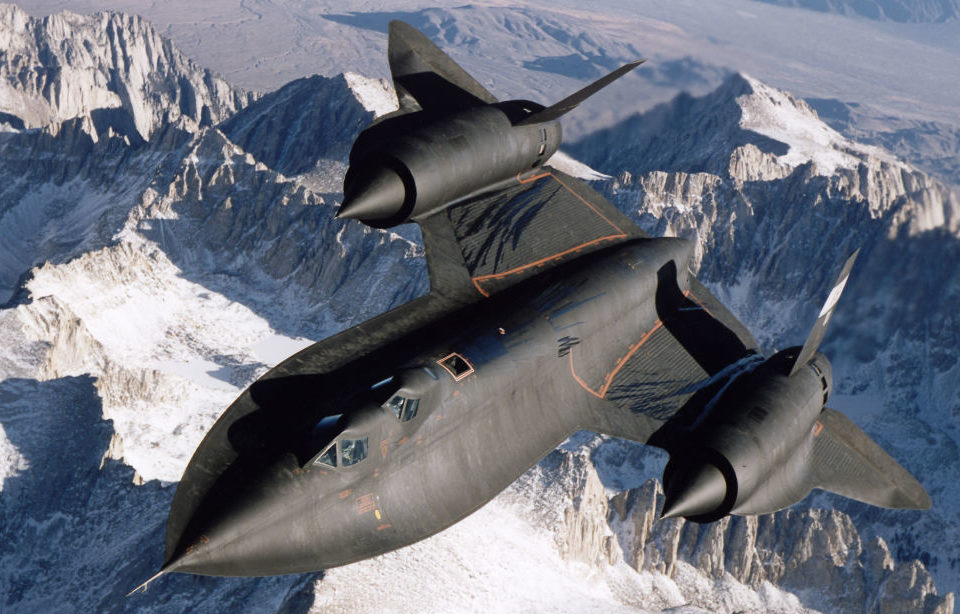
114,68
198,264
816,554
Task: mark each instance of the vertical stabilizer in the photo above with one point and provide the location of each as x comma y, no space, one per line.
820,327
555,111
425,77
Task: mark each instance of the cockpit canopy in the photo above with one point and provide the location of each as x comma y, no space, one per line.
405,409
343,439
345,452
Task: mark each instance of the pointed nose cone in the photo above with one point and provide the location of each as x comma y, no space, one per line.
694,491
375,196
250,528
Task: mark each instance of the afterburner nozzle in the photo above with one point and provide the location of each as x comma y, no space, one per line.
377,195
694,490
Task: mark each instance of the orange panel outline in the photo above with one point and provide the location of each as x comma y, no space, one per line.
587,203
817,428
602,393
608,380
532,177
621,235
450,371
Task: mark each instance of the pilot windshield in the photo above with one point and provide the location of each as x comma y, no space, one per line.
328,458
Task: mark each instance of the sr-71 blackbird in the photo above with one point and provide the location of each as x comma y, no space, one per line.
549,312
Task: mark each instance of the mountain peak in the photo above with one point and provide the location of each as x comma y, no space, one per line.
66,65
707,134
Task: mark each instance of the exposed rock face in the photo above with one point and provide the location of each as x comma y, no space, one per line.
114,68
282,128
815,554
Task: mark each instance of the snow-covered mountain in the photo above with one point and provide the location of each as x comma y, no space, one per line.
150,279
116,69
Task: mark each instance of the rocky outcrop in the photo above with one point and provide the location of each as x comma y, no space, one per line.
221,215
114,68
307,125
816,554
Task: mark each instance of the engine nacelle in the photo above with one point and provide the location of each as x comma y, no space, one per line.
750,452
408,166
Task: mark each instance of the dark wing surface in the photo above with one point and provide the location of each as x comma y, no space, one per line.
502,237
680,349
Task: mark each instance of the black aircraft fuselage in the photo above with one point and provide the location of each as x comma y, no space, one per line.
549,312
497,386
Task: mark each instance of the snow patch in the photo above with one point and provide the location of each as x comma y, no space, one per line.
11,461
375,95
274,348
779,116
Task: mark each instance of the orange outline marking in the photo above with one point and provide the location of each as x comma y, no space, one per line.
817,428
630,352
384,526
587,203
450,371
343,494
622,235
616,369
533,177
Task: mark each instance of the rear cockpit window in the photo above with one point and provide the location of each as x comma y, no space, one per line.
403,408
456,365
352,451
